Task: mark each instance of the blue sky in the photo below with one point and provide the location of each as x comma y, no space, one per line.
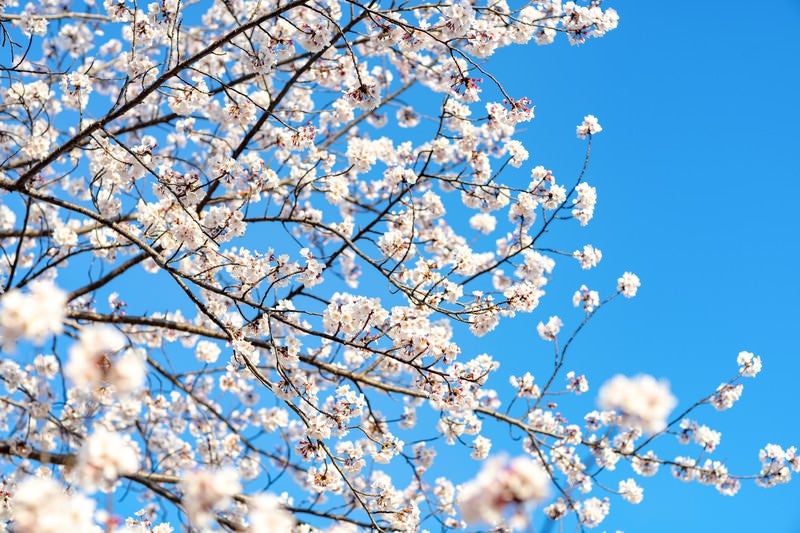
695,171
700,122
699,104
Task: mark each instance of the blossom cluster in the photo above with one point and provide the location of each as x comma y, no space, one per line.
503,485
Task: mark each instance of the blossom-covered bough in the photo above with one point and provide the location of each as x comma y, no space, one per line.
243,248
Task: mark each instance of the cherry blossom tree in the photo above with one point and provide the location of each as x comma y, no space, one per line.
244,246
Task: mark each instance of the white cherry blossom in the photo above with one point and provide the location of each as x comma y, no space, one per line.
642,401
246,249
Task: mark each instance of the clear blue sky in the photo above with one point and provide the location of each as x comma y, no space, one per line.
701,127
695,171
